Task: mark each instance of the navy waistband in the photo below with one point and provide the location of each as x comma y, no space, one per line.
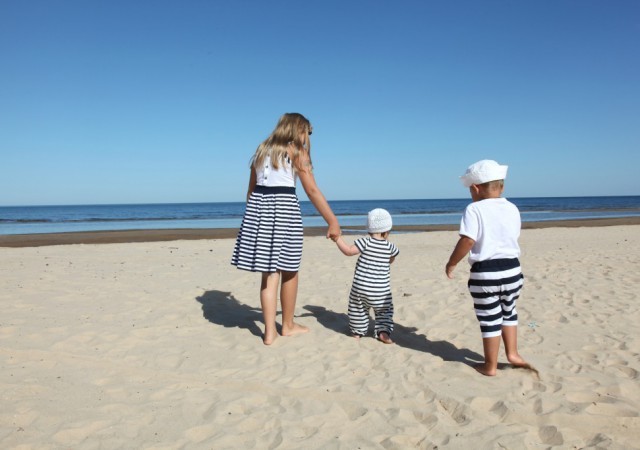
495,265
274,189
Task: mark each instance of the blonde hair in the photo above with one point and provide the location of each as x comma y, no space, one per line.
286,138
493,185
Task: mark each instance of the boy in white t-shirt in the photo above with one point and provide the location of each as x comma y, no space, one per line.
489,233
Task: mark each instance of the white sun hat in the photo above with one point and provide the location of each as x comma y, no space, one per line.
379,221
483,172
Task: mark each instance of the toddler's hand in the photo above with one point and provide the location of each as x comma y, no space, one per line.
333,233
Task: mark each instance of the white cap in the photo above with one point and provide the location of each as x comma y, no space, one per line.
483,172
379,221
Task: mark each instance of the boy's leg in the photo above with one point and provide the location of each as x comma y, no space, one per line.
268,300
358,316
510,339
491,346
288,298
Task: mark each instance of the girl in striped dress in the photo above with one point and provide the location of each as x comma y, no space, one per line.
371,287
270,236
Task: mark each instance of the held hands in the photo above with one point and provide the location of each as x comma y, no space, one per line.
334,232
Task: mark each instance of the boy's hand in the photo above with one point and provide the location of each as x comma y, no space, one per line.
463,247
449,270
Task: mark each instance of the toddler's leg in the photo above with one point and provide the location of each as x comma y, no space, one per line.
358,316
384,321
288,297
268,300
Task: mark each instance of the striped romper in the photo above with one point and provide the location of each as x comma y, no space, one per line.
371,287
496,278
270,236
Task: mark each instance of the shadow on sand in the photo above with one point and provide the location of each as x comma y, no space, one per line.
224,309
403,336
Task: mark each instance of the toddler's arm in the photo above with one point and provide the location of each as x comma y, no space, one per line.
348,250
463,247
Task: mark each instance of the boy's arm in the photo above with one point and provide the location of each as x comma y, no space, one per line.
463,247
348,250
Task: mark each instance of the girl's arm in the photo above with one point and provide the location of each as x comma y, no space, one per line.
252,182
463,247
315,196
348,250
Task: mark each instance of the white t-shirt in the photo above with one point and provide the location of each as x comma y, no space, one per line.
494,224
283,176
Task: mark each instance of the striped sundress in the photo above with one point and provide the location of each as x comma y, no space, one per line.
270,236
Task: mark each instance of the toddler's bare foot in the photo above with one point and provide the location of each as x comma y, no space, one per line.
295,329
383,336
268,338
484,370
356,337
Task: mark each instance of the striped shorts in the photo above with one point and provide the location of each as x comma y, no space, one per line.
495,286
270,236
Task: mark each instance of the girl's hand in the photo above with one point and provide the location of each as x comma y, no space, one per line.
334,232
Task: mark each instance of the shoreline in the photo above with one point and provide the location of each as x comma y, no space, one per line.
161,235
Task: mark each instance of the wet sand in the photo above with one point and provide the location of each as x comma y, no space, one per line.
125,236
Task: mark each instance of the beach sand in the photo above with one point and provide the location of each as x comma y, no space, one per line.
157,345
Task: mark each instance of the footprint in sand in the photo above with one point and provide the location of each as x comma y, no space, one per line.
550,435
454,409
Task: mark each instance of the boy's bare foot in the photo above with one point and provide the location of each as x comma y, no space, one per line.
295,329
268,338
484,370
517,361
383,336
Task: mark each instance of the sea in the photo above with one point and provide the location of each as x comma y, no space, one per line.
353,213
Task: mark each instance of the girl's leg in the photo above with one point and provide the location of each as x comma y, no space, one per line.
268,300
288,297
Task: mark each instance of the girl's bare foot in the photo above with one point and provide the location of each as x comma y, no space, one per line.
295,329
383,336
484,370
268,338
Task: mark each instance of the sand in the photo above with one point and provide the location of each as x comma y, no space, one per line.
157,345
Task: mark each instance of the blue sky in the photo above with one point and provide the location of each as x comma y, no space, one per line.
166,101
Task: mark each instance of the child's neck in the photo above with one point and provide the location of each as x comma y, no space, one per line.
488,195
379,235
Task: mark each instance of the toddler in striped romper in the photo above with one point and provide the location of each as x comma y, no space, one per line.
371,287
489,233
